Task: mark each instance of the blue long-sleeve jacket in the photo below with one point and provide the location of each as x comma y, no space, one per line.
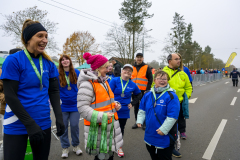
234,74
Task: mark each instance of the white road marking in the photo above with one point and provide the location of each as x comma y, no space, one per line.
238,90
1,142
226,82
212,145
202,84
233,101
192,100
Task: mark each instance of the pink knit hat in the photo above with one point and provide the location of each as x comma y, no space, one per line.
96,61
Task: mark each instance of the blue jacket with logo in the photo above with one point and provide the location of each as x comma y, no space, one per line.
234,74
166,107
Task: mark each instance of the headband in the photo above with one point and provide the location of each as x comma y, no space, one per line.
31,30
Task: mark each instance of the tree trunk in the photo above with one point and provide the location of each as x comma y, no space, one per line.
133,45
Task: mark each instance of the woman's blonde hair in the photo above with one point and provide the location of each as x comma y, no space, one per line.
26,23
104,65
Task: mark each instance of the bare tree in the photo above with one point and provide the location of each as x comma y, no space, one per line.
119,43
14,23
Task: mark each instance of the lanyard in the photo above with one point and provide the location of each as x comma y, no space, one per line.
123,88
154,94
111,137
67,79
92,135
103,142
35,68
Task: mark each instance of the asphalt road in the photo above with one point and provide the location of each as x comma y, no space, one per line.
210,108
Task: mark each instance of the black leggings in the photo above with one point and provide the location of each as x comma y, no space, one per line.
122,122
15,147
162,154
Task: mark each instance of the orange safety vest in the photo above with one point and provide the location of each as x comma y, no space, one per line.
140,77
104,102
153,71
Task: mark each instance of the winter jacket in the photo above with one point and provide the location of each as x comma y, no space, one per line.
117,70
149,75
179,82
85,97
234,74
185,106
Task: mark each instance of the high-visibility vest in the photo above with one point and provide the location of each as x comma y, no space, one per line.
104,102
153,71
139,77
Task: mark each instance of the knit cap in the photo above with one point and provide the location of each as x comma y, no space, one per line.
96,61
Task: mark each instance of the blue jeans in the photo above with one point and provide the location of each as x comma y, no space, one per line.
73,117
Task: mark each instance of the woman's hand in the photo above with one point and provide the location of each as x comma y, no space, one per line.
117,106
160,132
139,125
130,106
109,114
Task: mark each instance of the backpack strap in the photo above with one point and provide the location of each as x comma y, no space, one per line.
176,72
171,95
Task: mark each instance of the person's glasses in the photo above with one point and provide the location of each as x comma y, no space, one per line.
160,79
177,59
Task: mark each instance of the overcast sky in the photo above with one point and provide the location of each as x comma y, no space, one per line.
215,22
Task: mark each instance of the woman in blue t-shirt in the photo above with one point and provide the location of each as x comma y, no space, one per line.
68,95
160,108
123,87
30,80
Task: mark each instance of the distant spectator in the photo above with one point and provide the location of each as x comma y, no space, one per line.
194,72
198,71
117,68
202,71
206,71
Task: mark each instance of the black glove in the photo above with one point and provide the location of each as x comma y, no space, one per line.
60,128
37,138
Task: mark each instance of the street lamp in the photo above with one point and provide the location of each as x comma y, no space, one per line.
143,41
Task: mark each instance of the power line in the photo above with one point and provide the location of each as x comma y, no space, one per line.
75,13
82,11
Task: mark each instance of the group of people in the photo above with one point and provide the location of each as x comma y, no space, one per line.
103,95
206,71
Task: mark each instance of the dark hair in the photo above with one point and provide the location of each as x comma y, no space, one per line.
161,73
169,57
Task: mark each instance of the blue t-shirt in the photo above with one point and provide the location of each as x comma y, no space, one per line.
69,98
116,87
17,67
166,107
186,70
110,77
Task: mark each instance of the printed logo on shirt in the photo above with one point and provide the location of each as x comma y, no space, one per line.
45,71
129,88
161,101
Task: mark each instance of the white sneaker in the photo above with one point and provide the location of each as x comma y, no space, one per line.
77,150
65,153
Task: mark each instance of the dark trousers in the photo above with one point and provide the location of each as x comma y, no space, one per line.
235,82
181,121
122,122
136,107
96,158
15,147
162,154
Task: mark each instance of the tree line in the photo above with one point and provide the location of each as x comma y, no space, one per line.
122,41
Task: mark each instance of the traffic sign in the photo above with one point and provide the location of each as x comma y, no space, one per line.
223,69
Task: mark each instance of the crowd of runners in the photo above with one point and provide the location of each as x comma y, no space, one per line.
103,95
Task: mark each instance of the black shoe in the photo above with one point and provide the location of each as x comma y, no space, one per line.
176,154
144,126
134,126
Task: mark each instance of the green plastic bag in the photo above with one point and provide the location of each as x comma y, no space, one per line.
28,154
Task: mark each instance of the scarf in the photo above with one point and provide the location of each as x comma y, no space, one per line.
161,89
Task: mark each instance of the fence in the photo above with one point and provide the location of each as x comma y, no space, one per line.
199,79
